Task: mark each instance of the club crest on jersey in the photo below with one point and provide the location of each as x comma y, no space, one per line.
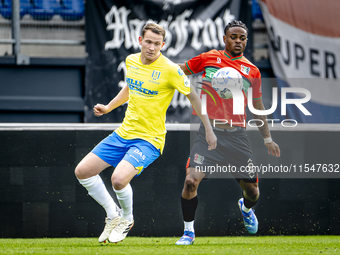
155,75
198,159
245,69
218,61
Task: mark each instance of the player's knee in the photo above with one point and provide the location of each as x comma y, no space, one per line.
252,193
80,172
191,184
117,182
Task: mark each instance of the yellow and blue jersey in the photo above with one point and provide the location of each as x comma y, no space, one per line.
151,88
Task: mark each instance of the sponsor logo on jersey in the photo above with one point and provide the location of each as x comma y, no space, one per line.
198,159
218,60
245,69
155,75
138,152
138,86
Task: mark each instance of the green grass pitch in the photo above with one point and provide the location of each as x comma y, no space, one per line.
273,245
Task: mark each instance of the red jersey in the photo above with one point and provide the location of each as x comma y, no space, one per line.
210,62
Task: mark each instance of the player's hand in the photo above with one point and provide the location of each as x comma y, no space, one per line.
211,140
100,109
273,149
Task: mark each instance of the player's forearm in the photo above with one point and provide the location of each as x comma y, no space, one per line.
261,121
197,105
184,69
262,125
120,99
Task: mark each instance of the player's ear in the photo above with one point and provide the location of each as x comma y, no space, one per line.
140,38
162,44
225,39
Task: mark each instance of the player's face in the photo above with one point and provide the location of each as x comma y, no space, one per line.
151,44
235,40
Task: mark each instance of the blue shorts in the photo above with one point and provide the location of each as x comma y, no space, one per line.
138,152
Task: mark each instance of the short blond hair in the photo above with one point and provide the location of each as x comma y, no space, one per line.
155,28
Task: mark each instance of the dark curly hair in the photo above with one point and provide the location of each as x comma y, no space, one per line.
235,23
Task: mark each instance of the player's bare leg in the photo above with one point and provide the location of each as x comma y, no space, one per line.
251,194
87,173
91,165
192,180
250,190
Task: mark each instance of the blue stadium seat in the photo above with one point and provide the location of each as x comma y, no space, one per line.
256,10
43,9
72,9
6,8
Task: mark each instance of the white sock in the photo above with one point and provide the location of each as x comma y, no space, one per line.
97,190
189,226
245,209
125,198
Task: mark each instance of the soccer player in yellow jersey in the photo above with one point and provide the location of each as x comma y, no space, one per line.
151,81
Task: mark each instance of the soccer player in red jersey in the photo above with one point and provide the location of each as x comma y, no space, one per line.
233,147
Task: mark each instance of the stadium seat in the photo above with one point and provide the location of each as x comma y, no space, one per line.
6,8
256,10
43,9
71,9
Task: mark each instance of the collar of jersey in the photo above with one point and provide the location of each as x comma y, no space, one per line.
140,61
232,58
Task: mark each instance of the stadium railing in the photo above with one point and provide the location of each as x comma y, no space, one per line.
38,24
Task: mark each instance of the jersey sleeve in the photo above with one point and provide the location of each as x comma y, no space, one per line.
128,61
257,87
180,81
196,64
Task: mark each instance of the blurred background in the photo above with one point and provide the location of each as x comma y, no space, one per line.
58,58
